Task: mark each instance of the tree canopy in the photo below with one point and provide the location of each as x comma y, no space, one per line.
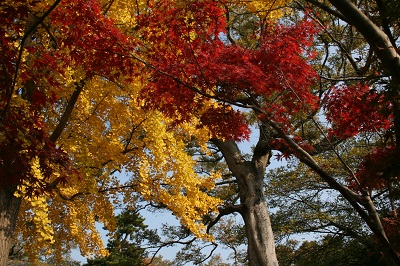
162,91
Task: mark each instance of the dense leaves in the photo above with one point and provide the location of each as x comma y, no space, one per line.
358,108
330,251
201,65
70,120
92,88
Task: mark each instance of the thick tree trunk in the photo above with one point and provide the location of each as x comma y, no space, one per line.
261,244
9,208
253,207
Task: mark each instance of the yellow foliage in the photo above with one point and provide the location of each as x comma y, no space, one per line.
109,131
166,175
37,221
270,9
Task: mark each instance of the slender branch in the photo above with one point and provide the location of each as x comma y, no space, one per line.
234,181
108,7
186,85
68,111
126,150
94,109
328,141
209,254
223,211
376,38
305,157
385,21
165,244
339,44
71,198
326,9
349,78
228,28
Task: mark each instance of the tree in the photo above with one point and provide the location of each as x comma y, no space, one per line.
125,246
331,250
216,260
204,71
199,72
285,104
69,120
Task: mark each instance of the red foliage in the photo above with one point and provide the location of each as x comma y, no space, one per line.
82,37
10,17
378,168
92,39
357,108
25,137
286,150
391,223
230,122
208,67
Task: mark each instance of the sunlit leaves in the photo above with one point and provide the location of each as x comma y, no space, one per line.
191,73
83,50
271,10
166,176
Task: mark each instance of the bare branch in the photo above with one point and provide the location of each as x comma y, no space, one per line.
223,211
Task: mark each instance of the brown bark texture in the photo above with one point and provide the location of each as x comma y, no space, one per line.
9,208
253,206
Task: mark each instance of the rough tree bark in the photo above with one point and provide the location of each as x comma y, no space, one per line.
253,206
9,208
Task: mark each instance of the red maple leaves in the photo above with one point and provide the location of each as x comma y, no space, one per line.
76,35
192,62
92,40
25,138
357,108
186,46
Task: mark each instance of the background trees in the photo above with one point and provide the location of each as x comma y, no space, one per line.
126,246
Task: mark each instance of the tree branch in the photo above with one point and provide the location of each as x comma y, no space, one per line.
378,40
68,111
326,9
223,211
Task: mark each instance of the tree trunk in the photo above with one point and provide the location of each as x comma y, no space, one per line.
261,244
253,207
9,208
